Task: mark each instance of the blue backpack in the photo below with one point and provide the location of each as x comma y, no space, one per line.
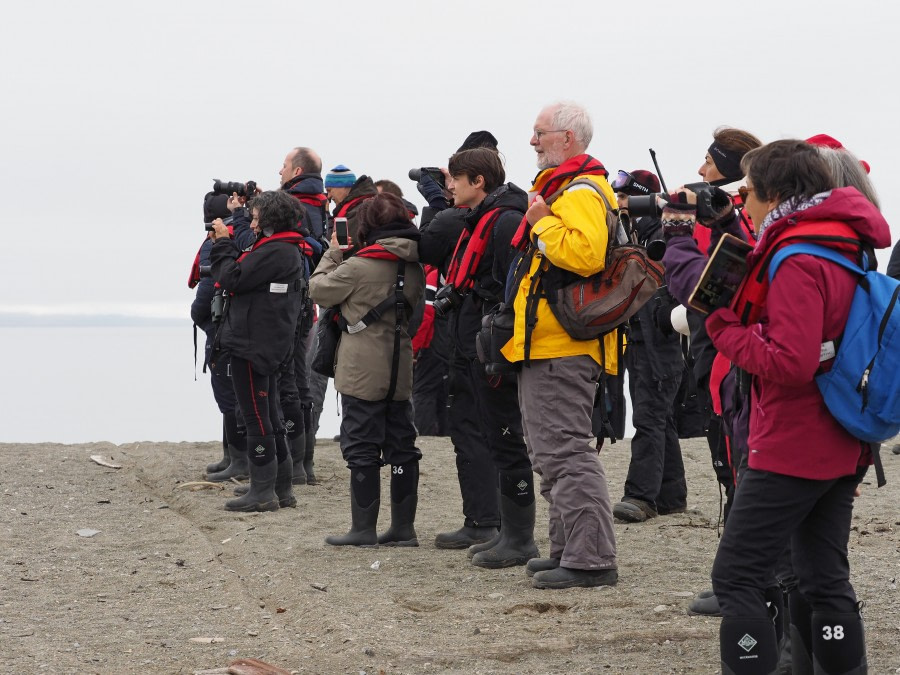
862,389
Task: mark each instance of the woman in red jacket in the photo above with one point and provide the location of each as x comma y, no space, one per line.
803,467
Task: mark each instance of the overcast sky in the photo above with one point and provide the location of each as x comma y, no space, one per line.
116,116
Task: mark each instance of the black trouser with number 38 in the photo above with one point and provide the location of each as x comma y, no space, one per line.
771,510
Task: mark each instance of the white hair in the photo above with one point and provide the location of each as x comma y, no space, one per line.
572,116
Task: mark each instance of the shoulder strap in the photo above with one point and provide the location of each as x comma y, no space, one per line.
579,181
399,305
811,249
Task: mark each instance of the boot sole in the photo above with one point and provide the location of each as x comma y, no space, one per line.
409,543
259,506
356,545
570,584
500,564
288,503
225,479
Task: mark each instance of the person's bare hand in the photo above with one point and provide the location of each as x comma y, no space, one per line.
219,231
537,210
234,202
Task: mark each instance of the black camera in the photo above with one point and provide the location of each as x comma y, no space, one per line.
217,306
446,300
245,190
433,171
208,226
710,201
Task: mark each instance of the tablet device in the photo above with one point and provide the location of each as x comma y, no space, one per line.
722,275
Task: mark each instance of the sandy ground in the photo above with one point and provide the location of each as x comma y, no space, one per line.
169,565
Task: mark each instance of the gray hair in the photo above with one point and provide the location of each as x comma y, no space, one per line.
570,115
847,171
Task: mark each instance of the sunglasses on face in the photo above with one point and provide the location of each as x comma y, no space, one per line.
744,192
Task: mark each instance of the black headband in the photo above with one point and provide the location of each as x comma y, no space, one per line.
728,162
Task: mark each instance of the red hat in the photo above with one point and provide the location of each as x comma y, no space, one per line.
826,141
647,179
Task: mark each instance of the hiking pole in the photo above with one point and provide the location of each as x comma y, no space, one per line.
662,181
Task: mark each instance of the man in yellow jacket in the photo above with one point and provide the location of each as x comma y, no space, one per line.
558,381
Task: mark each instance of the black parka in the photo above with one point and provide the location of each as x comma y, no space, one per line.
266,286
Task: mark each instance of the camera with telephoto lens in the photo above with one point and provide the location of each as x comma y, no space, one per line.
447,299
710,202
433,171
245,190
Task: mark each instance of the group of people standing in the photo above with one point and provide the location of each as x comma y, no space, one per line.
483,242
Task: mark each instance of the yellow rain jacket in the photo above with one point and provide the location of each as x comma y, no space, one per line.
573,238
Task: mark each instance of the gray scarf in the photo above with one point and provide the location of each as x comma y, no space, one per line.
789,206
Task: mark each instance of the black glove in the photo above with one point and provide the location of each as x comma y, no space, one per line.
678,219
434,194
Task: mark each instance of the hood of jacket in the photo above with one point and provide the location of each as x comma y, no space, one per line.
508,196
401,241
363,186
847,205
305,184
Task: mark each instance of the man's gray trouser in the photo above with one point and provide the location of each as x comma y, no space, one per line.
556,397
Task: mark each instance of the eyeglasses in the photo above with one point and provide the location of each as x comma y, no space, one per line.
538,134
624,181
744,192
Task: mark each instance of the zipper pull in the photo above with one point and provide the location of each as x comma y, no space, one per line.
864,389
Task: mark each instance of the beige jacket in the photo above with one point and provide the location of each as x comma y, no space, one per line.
358,284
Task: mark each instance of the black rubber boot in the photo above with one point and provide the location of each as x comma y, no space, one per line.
748,646
516,545
478,548
466,536
566,577
223,463
263,472
284,488
536,565
838,644
705,604
774,597
404,500
309,452
365,500
801,634
239,468
298,454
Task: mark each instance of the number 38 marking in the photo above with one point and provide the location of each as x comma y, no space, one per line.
832,632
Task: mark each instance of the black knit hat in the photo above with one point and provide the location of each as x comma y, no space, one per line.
479,139
215,206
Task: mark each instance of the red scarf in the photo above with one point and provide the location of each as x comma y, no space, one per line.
376,251
547,182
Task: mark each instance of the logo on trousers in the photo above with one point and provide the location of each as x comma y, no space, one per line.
747,643
259,449
521,485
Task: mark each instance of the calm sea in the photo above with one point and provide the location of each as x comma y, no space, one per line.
117,384
67,384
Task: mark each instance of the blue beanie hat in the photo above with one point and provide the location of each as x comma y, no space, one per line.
340,177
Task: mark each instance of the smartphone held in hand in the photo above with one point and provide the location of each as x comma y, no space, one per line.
340,230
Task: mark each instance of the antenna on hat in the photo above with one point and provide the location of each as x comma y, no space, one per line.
662,180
